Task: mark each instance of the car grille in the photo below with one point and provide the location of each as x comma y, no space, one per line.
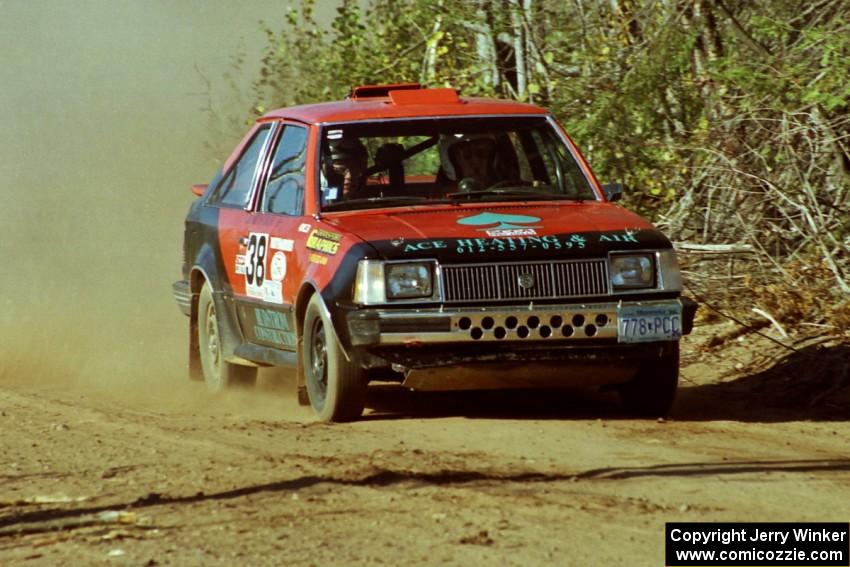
528,280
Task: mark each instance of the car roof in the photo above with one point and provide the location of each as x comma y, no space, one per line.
381,102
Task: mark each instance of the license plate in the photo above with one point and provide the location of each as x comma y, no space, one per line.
646,323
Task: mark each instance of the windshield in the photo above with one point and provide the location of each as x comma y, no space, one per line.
397,163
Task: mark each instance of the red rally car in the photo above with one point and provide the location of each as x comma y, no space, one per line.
408,234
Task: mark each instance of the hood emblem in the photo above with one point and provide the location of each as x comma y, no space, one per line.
526,281
397,241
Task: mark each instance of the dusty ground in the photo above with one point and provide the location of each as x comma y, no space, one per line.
159,473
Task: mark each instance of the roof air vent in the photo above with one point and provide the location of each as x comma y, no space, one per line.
381,91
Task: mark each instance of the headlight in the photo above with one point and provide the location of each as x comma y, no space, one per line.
408,281
632,271
378,282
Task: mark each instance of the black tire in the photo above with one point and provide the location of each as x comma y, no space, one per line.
219,374
336,387
652,391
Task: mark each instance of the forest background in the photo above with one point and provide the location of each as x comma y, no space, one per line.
726,120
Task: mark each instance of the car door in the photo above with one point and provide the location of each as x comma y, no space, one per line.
273,235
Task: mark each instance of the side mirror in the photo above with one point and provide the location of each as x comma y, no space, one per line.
613,191
198,189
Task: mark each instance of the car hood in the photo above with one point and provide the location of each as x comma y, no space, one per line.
515,231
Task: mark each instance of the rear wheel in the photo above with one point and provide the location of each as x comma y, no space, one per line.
652,391
336,387
218,373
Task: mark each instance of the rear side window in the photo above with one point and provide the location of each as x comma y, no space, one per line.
235,186
284,192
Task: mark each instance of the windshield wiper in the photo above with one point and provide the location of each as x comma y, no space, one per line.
525,195
370,202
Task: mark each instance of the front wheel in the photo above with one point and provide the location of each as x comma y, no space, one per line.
651,392
336,387
218,373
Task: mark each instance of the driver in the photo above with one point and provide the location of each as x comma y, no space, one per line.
470,161
345,166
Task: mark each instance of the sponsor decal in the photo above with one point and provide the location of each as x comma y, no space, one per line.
304,227
241,264
324,241
426,245
501,225
512,232
625,236
273,327
284,244
521,243
278,269
318,259
518,244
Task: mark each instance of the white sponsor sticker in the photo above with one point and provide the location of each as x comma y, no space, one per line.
512,232
278,269
240,264
304,227
284,244
273,292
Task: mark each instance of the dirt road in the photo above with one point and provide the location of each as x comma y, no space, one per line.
159,473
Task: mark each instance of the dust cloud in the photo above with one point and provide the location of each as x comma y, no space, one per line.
102,134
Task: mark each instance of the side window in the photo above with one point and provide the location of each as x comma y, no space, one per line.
235,187
285,188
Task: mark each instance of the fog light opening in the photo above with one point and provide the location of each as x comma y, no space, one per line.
545,332
556,321
487,322
590,330
567,331
500,333
578,320
601,320
522,332
476,333
533,322
464,323
511,322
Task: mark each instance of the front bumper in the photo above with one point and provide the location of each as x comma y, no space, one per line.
570,324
